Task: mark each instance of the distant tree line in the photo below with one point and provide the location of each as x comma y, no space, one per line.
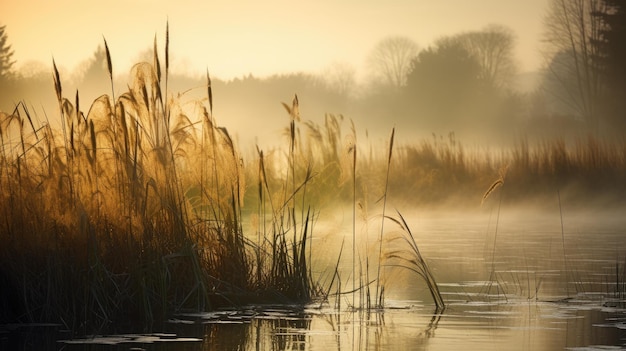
464,81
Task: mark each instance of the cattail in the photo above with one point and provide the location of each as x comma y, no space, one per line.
393,131
491,189
167,58
77,109
295,109
57,81
109,64
157,64
92,133
167,47
499,182
210,92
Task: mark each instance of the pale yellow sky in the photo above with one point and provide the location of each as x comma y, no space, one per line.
234,38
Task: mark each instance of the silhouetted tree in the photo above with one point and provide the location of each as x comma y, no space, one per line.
390,60
6,54
570,31
93,76
95,69
492,48
612,59
444,79
560,84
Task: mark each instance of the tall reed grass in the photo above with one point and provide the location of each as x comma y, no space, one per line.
442,172
408,256
140,206
133,211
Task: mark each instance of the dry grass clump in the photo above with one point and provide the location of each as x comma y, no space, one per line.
435,171
589,167
137,208
133,210
442,172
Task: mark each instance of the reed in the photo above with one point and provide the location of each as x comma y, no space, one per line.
440,172
134,211
379,287
497,184
352,150
139,207
565,265
409,257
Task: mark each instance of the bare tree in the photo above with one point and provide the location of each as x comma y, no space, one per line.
493,49
390,60
340,77
570,30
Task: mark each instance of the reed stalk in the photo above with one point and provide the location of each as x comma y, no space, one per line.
565,265
165,235
411,258
379,289
498,183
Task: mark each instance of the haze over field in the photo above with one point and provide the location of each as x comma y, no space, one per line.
235,38
501,69
136,187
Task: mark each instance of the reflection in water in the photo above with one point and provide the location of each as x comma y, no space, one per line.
319,329
514,325
539,289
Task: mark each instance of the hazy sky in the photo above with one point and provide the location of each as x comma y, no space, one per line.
234,38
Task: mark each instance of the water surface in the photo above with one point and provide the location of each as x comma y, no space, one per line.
517,280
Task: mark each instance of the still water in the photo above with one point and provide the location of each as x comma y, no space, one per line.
513,280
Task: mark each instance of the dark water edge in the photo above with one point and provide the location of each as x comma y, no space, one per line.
529,286
583,323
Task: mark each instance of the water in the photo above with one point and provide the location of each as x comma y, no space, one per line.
529,285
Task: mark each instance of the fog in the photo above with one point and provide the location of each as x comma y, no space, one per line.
251,107
433,98
465,95
138,194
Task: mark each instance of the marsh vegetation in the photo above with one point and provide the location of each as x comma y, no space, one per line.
141,208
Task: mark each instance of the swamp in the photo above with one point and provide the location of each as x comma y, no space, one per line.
140,223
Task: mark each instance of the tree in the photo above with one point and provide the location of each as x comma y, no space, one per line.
612,56
570,30
92,76
390,60
443,81
340,77
492,48
95,69
560,83
6,54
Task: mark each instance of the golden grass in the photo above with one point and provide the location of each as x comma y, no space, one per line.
134,211
137,208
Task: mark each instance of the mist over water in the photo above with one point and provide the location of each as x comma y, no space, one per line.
317,210
525,285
